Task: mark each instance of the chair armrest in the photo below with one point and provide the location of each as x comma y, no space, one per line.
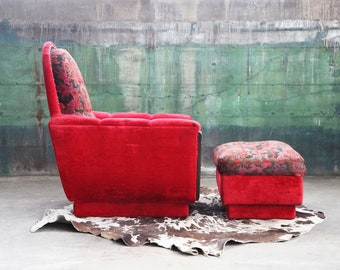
103,115
129,119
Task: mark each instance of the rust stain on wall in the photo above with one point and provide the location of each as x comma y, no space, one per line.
38,95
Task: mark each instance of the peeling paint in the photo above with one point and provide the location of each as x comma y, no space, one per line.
268,72
39,91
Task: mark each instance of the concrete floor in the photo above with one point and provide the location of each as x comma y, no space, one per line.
24,199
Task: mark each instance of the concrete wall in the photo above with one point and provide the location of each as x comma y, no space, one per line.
245,69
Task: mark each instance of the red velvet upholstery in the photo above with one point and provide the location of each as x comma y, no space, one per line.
259,179
120,164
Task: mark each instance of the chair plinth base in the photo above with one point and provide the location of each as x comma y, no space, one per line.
136,209
261,211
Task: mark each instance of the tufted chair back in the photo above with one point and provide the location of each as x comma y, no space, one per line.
66,91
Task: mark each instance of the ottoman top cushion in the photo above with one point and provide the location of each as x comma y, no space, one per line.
258,158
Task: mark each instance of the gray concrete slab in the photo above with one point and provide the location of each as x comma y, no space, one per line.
24,199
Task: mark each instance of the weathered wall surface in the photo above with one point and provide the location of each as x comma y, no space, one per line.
245,69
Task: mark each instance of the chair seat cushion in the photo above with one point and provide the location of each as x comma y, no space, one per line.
258,158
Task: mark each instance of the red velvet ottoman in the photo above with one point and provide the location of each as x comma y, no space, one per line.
262,180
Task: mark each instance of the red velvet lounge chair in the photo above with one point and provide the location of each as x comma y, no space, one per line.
120,164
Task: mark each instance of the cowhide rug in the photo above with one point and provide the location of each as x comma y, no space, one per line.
205,231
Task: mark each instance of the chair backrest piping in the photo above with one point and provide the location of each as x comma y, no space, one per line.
50,86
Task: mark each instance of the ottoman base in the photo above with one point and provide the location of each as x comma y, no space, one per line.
260,196
261,211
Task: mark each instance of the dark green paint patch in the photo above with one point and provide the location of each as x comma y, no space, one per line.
26,150
288,92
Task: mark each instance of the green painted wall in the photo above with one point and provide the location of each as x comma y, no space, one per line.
288,92
240,89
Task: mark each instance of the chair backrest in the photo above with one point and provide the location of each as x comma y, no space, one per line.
65,87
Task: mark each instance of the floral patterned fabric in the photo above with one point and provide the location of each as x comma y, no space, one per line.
71,90
258,158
